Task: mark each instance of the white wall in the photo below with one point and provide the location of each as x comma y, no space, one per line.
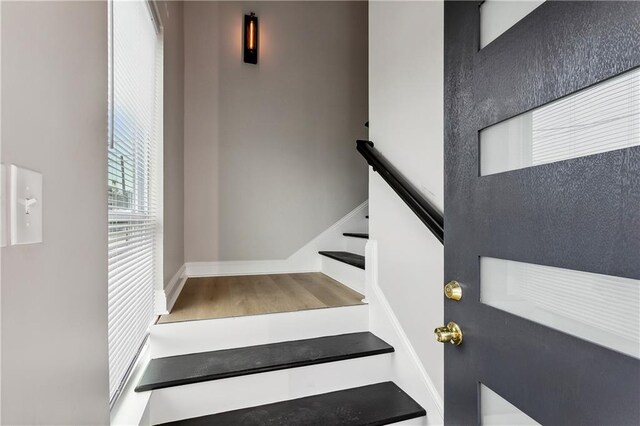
54,294
270,159
497,16
201,158
406,125
173,123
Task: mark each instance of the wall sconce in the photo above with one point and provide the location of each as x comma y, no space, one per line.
250,39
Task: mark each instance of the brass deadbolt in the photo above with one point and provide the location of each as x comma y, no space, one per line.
453,290
451,333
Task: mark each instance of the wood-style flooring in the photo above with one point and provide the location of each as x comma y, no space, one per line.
220,297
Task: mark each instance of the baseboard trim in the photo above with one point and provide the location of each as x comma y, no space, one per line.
175,286
306,259
166,298
428,383
131,407
381,317
251,267
160,302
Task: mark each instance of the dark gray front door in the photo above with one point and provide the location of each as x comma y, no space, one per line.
542,214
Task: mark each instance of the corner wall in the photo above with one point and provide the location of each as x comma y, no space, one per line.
54,294
406,124
270,159
173,122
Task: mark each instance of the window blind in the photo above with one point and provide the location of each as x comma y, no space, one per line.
603,117
133,229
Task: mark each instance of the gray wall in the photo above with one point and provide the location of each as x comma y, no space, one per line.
173,217
54,294
270,158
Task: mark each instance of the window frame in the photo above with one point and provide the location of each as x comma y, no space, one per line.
155,176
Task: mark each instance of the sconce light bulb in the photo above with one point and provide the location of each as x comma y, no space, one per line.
252,35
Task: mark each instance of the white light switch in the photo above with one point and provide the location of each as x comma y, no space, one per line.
3,204
26,206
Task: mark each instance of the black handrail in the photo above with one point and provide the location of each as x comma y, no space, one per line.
428,214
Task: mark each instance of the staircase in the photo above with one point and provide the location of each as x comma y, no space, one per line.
316,367
347,266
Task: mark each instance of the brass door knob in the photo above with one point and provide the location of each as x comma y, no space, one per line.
451,333
453,290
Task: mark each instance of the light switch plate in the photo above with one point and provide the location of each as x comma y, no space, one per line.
3,206
25,206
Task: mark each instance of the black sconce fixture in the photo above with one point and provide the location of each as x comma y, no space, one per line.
250,39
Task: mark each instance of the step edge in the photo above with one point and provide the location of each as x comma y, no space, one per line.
254,316
361,235
194,401
325,253
266,369
411,414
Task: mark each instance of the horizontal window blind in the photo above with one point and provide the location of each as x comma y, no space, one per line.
600,118
582,304
135,58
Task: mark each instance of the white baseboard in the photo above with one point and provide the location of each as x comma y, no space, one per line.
306,259
409,372
160,302
166,298
249,267
131,407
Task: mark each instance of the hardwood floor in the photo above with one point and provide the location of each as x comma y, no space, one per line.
220,297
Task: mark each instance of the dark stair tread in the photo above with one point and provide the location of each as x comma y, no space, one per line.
199,367
345,257
378,404
356,235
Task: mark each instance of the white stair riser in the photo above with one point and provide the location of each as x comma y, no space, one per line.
199,399
346,274
355,245
224,333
